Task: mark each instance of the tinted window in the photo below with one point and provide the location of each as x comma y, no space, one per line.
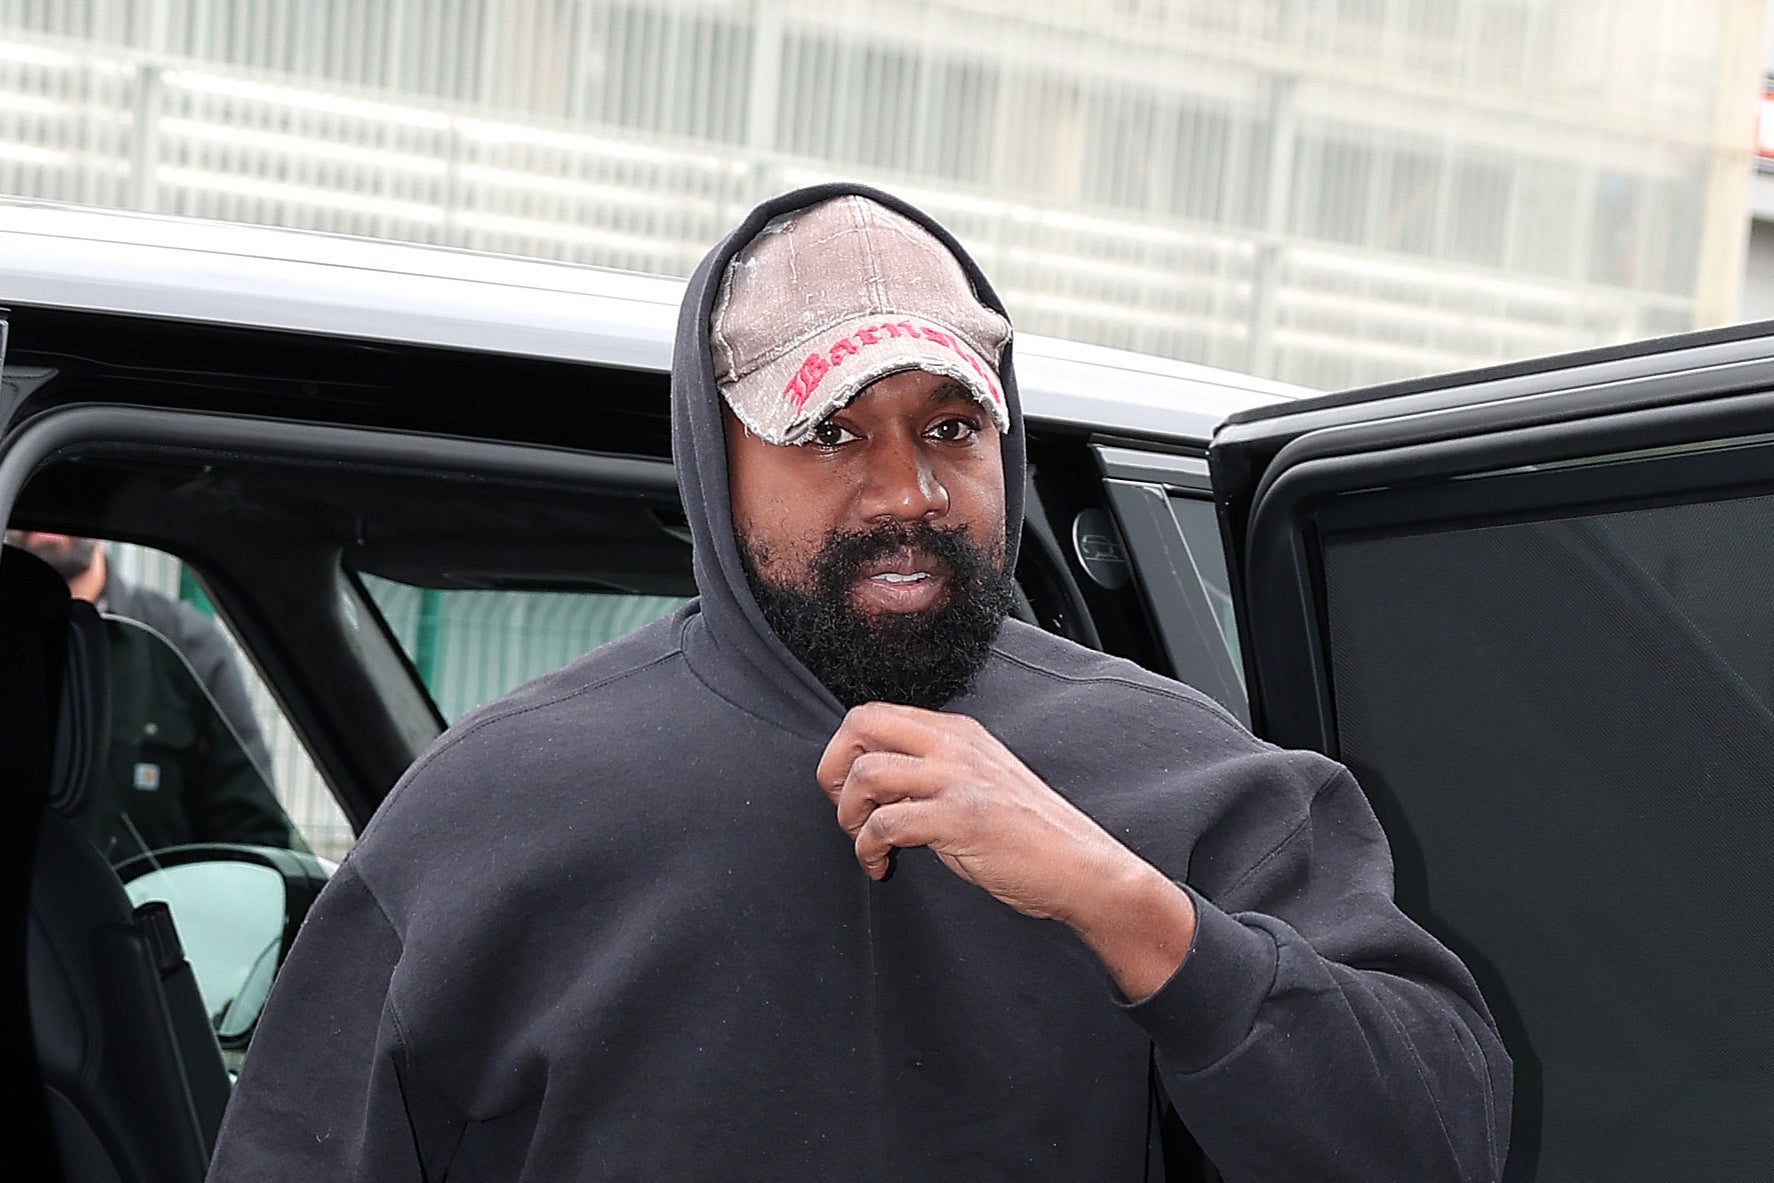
471,646
1564,722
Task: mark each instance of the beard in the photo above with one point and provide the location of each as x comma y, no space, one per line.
70,556
920,659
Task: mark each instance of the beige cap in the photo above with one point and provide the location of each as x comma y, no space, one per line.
826,300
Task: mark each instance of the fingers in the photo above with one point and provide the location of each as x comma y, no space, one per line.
901,776
899,823
882,726
834,766
874,780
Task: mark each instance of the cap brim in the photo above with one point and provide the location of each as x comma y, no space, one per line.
782,401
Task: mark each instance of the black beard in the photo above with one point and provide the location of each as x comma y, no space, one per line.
921,659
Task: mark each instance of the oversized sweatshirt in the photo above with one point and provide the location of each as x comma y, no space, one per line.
609,928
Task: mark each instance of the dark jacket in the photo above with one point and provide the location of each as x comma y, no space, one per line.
609,928
199,640
185,760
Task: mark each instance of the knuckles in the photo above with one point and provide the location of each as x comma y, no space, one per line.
886,827
869,770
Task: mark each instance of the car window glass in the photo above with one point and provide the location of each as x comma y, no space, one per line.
1564,722
470,646
1696,555
175,769
1201,530
242,717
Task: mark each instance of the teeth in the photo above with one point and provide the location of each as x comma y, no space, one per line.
896,577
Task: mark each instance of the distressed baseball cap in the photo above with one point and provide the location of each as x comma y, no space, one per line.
827,299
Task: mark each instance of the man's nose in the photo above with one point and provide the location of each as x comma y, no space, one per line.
902,484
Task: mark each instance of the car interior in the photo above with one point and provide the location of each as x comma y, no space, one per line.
134,1082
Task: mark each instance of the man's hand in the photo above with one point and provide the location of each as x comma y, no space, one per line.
901,776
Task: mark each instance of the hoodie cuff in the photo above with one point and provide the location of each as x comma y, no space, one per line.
1207,1008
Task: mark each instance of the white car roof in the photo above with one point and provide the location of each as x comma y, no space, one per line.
301,281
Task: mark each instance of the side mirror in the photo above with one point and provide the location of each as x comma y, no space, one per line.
237,909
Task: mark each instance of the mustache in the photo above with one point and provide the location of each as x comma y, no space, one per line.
845,552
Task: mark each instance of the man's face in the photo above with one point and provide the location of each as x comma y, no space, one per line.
876,550
70,556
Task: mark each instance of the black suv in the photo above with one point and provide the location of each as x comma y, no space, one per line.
1529,606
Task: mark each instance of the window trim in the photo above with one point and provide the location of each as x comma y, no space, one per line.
1297,504
358,773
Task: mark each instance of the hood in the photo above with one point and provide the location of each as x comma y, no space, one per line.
728,642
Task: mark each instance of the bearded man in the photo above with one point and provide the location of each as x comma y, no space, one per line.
614,926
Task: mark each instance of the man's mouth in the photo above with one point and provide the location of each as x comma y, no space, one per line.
902,581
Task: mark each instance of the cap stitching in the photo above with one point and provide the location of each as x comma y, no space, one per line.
877,283
862,219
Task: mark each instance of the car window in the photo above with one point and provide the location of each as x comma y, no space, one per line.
206,738
176,768
1563,717
470,646
1201,530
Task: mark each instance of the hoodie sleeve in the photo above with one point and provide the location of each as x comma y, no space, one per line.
1314,1032
322,1092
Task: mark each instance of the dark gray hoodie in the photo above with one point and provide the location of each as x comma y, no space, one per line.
608,928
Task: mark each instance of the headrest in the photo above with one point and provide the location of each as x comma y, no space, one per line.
31,591
33,634
83,722
55,702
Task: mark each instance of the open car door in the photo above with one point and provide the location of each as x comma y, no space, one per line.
1532,609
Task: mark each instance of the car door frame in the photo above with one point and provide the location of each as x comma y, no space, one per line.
1668,422
1274,467
363,745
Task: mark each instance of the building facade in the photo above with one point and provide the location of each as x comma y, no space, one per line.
1330,192
1758,277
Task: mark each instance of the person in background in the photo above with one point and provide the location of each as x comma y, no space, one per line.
186,759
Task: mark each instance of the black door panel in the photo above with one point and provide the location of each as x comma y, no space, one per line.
1537,627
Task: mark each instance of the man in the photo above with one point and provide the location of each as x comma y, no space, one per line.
186,761
836,874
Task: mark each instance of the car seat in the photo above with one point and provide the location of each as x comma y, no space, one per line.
132,1081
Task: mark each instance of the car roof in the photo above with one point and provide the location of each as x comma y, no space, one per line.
149,265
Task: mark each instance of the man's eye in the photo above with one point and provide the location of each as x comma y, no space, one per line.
829,435
954,430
